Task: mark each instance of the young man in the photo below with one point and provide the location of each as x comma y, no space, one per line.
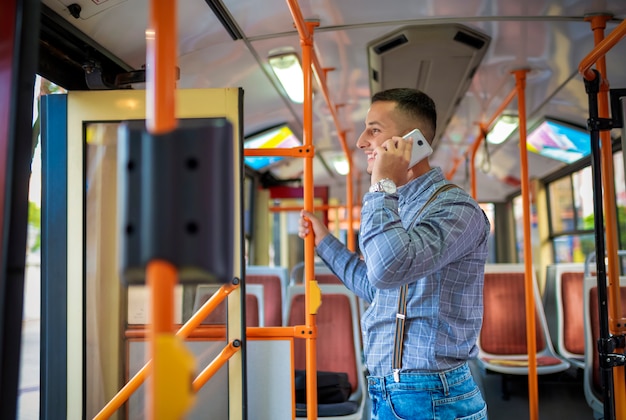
437,248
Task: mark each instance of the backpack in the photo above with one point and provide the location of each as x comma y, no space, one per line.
332,387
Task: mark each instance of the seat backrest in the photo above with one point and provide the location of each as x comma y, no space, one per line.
571,322
252,311
254,305
563,302
502,342
338,344
274,282
504,320
323,274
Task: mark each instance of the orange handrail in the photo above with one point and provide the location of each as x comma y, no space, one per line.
219,361
279,209
300,151
474,149
601,48
520,83
135,382
484,129
597,56
455,166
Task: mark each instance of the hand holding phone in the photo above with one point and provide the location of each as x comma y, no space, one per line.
421,148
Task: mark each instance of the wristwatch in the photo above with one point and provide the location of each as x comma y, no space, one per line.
384,185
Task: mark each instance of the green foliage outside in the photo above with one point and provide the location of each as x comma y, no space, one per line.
588,245
34,222
34,211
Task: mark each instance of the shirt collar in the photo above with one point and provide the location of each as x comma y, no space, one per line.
417,187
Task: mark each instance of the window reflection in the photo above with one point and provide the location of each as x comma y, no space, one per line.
571,216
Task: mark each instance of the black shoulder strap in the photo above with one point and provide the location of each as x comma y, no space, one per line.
401,314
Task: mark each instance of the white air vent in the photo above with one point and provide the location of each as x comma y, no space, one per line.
437,59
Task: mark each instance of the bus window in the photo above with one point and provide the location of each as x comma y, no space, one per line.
518,216
571,216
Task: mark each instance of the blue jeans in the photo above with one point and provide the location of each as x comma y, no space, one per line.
449,395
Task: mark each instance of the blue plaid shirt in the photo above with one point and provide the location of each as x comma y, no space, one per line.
441,255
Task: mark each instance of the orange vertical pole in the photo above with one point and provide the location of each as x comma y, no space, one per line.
309,241
312,68
598,24
472,163
161,276
601,48
161,38
520,83
305,30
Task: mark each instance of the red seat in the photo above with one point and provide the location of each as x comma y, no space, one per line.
504,323
338,345
595,333
573,320
502,342
218,315
335,339
272,295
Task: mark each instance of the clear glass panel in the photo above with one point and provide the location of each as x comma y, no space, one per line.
561,205
583,198
103,297
117,316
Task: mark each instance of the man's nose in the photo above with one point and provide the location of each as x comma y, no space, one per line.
361,142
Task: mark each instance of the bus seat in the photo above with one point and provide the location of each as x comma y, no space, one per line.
323,275
255,309
502,340
592,380
274,282
563,304
338,345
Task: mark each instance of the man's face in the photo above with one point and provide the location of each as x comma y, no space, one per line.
380,125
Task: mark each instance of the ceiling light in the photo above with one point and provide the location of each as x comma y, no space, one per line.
340,163
503,128
289,72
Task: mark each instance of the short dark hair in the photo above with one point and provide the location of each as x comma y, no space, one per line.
413,102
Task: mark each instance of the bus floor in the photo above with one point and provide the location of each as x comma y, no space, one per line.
560,395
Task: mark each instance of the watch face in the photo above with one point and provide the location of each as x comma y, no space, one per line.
388,186
384,185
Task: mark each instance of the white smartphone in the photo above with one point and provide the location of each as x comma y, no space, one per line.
421,148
